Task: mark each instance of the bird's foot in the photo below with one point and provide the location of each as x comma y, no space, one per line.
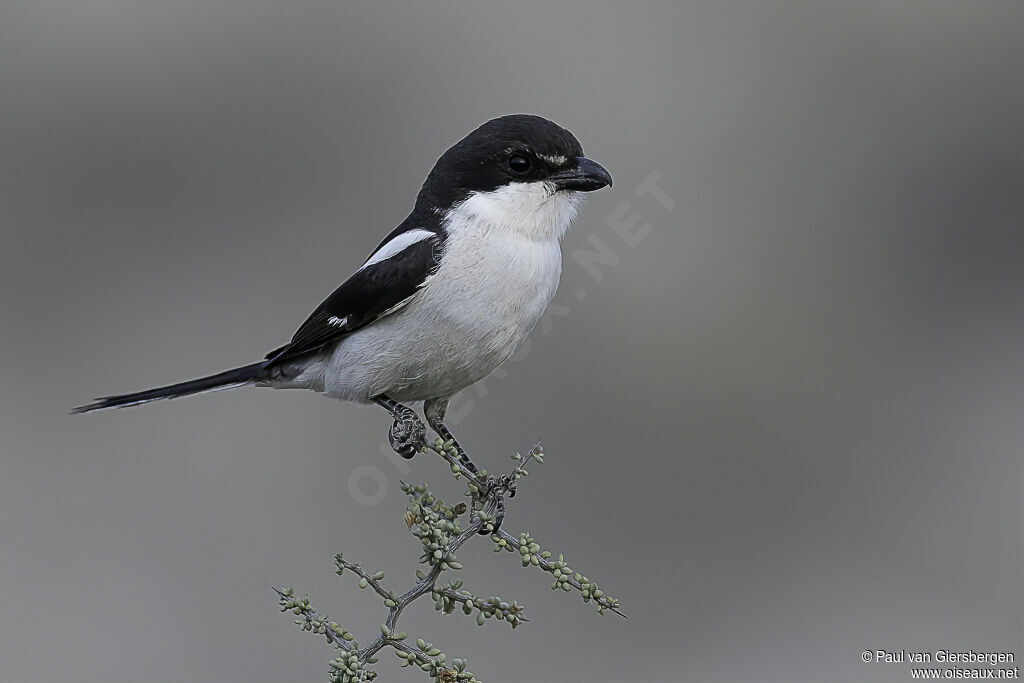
407,435
497,487
507,482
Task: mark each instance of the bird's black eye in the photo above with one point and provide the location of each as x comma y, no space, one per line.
517,163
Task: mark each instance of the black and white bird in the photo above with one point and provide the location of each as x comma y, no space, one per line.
448,295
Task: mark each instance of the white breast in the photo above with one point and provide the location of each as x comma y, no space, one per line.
498,273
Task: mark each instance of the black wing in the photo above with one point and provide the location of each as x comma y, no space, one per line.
371,292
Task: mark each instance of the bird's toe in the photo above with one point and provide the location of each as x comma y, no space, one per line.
407,437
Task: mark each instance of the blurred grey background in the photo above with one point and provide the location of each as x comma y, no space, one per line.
783,427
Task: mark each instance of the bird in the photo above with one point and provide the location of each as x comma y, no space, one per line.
447,296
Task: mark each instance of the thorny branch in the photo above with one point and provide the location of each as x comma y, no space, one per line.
436,525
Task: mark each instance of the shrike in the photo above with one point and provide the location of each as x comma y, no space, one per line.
448,295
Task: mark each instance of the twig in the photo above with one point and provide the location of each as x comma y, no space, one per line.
436,525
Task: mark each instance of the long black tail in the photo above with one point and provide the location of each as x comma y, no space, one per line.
229,379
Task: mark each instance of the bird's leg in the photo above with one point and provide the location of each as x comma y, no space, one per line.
407,434
494,488
434,410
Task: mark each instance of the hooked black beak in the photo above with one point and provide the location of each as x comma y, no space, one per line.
586,176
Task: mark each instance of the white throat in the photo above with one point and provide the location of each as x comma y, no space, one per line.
534,210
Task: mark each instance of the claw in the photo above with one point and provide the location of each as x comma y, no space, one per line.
499,515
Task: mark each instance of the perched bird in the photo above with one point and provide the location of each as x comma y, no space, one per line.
448,295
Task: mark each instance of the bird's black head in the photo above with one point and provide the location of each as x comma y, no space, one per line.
519,148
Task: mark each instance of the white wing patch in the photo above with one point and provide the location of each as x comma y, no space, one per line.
335,320
397,245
